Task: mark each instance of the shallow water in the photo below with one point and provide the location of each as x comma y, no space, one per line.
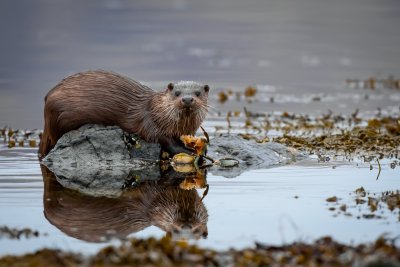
273,206
292,50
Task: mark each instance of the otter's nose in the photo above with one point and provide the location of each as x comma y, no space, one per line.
187,100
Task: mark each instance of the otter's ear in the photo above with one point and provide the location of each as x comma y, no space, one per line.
206,88
170,86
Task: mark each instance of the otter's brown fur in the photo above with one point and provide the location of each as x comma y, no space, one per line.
102,97
178,212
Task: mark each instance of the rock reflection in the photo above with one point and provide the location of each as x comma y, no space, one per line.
162,203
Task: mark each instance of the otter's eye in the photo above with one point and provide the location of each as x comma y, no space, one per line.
197,93
177,93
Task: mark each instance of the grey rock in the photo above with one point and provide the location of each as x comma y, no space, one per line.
100,160
95,160
250,154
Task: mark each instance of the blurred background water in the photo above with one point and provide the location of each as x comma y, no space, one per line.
303,46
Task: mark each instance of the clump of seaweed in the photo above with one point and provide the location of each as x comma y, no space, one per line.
248,94
250,91
323,134
165,252
222,97
44,257
332,199
13,233
373,83
374,204
21,138
364,139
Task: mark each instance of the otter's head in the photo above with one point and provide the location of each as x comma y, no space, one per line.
188,96
180,110
181,214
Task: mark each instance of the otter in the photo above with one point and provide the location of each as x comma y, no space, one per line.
102,97
180,213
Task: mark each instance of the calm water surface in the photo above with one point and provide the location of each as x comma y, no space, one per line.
293,51
273,206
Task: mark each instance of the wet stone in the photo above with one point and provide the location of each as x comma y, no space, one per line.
250,154
95,160
98,160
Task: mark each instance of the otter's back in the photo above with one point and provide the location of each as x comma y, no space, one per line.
91,97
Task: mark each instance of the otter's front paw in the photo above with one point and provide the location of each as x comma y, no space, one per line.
171,147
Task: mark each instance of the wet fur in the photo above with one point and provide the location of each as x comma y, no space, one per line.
107,98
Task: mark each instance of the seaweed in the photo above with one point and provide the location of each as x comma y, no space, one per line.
388,200
165,252
372,83
21,138
325,134
248,93
14,233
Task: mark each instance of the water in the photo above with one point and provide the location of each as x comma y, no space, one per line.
273,206
293,50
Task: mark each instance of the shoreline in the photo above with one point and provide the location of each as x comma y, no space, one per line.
165,252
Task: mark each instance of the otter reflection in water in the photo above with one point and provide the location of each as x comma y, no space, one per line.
178,212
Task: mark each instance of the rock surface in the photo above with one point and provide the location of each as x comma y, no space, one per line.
250,154
96,160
